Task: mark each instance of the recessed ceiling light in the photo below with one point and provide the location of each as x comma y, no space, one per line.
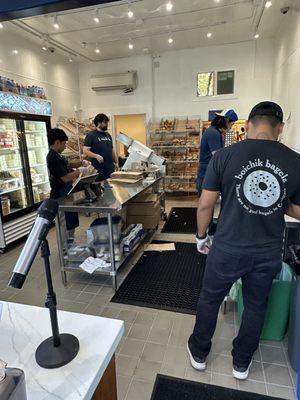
130,14
256,36
170,40
130,46
97,50
209,34
15,52
169,6
268,4
96,17
55,23
1,26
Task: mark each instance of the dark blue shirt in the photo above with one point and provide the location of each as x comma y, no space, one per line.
101,143
257,180
211,141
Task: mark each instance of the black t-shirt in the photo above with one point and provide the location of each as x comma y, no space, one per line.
256,178
58,167
101,143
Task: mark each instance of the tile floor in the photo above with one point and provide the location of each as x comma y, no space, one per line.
154,341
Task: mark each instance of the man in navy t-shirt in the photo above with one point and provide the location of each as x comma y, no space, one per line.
212,140
98,146
259,183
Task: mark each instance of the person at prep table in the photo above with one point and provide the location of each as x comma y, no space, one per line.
61,176
98,146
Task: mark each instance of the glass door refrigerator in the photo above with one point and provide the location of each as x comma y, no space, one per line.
24,181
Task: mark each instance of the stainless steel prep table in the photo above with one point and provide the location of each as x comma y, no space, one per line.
111,202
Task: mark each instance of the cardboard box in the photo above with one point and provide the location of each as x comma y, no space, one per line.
145,208
145,198
148,221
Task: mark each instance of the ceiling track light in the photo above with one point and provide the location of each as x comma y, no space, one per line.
268,4
96,18
1,26
97,50
256,36
130,46
170,40
169,6
44,46
70,60
209,35
130,14
55,22
15,52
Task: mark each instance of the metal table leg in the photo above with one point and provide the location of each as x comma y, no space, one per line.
60,247
112,252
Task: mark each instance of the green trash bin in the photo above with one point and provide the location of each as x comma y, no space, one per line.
277,315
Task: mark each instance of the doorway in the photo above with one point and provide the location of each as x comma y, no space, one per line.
133,125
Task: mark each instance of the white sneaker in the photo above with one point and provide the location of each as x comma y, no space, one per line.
241,373
197,363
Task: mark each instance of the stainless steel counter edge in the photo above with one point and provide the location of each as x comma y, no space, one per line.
112,200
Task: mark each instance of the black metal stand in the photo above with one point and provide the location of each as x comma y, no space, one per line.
59,349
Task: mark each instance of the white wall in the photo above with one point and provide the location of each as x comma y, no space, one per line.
114,103
175,81
59,77
176,78
286,82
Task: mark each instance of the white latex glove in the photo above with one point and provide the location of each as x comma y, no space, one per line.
86,163
100,159
84,171
204,245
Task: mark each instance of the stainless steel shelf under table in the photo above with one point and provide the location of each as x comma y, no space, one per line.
114,198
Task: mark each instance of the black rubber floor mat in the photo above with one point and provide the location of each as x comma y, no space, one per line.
181,220
169,388
169,280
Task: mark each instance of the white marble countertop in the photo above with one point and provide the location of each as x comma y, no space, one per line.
23,328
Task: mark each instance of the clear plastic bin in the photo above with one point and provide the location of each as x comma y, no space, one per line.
99,229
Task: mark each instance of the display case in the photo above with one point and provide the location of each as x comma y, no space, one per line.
24,181
178,141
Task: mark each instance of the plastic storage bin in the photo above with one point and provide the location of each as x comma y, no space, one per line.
100,229
293,255
13,386
294,325
277,315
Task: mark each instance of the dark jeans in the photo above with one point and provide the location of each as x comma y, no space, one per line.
222,270
72,219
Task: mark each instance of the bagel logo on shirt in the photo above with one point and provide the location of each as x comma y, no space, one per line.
260,187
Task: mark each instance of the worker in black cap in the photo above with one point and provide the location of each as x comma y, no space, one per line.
258,179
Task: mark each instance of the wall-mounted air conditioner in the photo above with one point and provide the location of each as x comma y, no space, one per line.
125,81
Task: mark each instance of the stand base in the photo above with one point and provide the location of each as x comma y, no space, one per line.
48,356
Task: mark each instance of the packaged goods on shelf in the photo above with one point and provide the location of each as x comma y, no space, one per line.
5,204
8,184
136,232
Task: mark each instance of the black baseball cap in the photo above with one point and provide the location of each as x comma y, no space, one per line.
267,108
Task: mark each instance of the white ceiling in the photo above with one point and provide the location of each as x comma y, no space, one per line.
188,23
